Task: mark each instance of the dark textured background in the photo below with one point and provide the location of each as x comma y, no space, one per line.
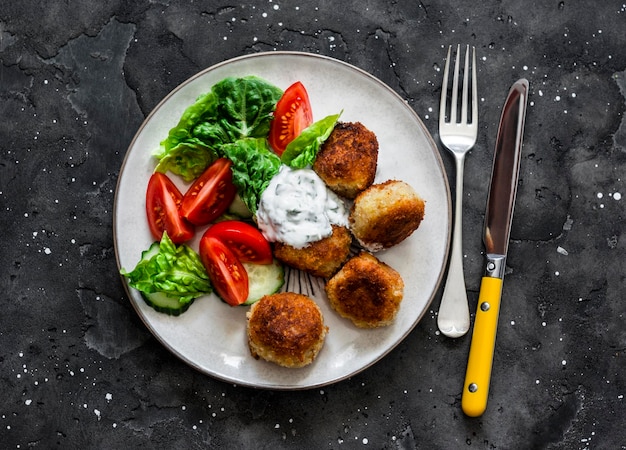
79,370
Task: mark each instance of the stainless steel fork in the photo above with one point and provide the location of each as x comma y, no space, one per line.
458,136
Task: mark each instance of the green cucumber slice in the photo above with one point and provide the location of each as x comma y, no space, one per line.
263,279
164,303
239,208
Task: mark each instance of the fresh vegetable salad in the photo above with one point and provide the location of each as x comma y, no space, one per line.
227,146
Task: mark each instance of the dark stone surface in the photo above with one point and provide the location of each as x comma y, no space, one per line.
78,369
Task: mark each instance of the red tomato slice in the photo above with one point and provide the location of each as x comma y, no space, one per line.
162,202
292,115
210,195
227,274
246,241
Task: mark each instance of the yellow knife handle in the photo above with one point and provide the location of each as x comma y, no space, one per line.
476,387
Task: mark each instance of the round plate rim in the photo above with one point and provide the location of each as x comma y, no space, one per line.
277,387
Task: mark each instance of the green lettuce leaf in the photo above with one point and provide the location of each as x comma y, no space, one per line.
174,270
245,106
235,108
302,151
254,165
187,159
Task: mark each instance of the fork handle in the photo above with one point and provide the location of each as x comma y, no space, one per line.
453,319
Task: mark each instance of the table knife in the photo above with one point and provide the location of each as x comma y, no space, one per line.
500,204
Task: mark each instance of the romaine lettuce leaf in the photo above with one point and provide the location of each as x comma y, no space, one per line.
235,108
254,165
174,270
245,106
187,159
302,151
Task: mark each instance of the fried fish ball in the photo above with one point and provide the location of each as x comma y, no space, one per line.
348,158
367,291
320,258
286,328
385,214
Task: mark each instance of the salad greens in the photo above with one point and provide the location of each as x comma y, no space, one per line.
245,106
233,109
254,165
187,159
302,151
232,120
176,271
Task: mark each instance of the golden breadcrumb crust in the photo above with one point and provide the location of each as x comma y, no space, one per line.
286,328
385,214
321,258
348,159
367,291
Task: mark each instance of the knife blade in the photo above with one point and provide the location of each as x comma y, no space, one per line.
500,205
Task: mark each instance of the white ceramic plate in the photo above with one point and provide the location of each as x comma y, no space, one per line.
211,336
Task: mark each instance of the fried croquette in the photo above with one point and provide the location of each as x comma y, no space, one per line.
286,328
385,214
367,291
348,159
321,258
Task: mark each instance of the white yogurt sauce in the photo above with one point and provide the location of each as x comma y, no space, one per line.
297,208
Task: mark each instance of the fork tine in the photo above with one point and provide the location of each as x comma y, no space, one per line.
455,86
465,87
444,90
474,89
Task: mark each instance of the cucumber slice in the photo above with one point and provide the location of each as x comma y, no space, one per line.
263,279
239,208
161,301
164,303
151,252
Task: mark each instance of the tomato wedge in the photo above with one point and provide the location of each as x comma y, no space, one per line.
227,274
210,195
163,200
246,241
292,115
